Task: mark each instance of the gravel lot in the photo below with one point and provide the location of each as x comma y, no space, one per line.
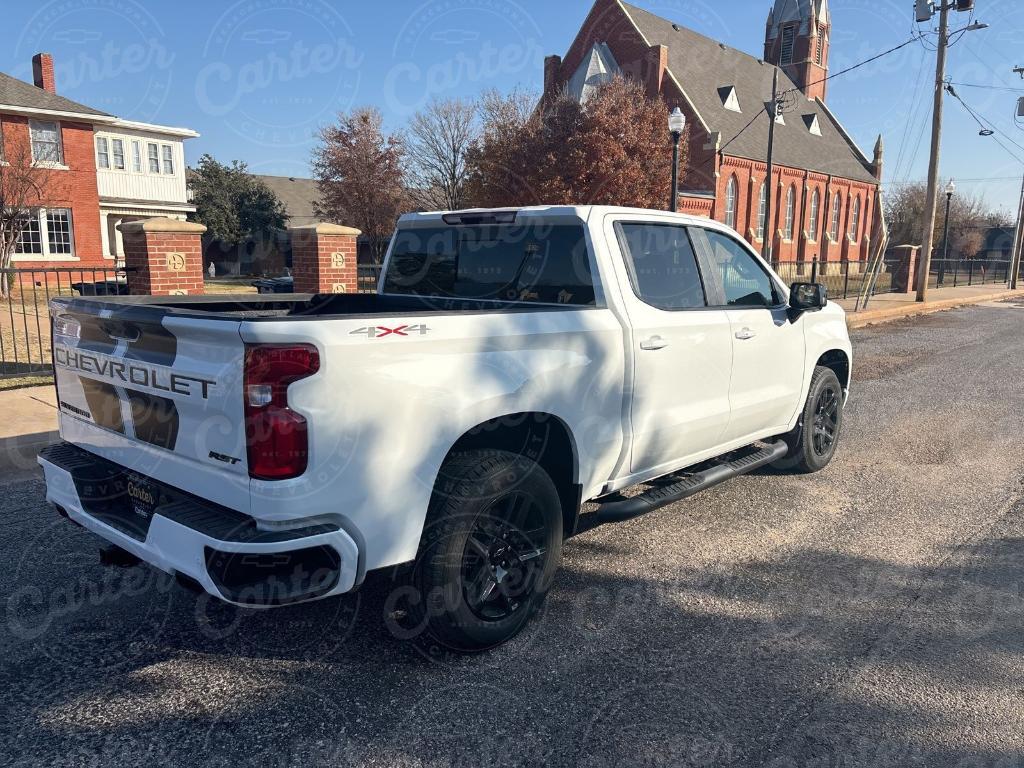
870,615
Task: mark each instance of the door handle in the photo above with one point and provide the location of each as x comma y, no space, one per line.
745,334
655,342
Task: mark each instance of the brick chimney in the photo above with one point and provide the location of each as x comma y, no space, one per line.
42,72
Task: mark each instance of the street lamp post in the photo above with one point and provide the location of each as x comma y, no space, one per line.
676,126
950,189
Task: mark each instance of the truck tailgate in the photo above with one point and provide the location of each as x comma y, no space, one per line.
155,392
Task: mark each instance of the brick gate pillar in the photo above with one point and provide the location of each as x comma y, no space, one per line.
903,265
324,258
164,257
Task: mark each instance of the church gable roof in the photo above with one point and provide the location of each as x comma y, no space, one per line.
702,66
598,67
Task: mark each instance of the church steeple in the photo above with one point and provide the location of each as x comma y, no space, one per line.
797,37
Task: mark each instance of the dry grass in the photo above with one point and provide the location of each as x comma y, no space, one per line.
18,382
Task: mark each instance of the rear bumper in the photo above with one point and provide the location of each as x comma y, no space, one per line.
222,550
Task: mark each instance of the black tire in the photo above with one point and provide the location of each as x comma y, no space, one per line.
813,443
491,545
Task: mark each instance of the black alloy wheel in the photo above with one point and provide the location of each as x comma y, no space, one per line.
504,556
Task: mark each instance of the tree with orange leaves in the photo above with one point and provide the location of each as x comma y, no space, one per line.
613,149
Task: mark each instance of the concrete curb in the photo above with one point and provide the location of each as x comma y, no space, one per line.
872,317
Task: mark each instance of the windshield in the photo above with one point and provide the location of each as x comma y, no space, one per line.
542,262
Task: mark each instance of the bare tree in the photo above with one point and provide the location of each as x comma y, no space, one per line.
359,171
440,136
905,210
25,184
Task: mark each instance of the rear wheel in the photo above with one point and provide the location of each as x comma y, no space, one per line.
491,545
813,443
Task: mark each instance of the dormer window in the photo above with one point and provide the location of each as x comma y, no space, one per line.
812,124
730,100
780,118
788,44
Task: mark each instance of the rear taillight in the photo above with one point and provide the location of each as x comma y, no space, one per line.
277,443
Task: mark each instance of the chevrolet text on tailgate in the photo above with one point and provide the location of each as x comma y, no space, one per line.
513,364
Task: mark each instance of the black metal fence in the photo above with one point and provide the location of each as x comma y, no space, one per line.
24,318
369,274
843,279
846,279
953,273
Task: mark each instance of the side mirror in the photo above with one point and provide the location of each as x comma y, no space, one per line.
807,297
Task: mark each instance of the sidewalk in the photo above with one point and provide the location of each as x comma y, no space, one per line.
893,306
28,421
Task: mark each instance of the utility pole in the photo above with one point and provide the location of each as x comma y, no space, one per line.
933,164
1018,236
773,111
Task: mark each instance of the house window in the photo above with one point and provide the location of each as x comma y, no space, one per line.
815,212
45,141
47,232
168,159
837,204
790,212
154,158
137,157
102,153
58,231
730,202
819,51
762,210
788,44
30,241
118,146
854,219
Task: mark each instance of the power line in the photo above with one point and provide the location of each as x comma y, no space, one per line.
908,126
989,87
782,94
958,179
987,125
907,123
855,66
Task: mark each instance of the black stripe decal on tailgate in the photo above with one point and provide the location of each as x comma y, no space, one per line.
154,418
104,404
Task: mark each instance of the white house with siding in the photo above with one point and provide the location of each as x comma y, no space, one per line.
140,172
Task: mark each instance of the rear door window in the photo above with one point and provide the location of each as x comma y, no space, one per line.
537,262
662,265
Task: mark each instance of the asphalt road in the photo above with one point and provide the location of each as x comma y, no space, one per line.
870,615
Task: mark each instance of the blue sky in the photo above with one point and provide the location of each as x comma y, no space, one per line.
257,77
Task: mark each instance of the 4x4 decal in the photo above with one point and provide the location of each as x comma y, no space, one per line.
378,331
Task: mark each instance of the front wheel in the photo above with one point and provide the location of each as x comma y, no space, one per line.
813,443
490,548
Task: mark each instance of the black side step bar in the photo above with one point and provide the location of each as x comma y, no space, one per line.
656,498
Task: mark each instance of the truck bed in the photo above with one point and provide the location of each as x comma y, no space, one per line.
297,305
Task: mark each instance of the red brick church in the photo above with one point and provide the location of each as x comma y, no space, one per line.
825,190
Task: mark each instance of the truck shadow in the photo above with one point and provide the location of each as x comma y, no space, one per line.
818,658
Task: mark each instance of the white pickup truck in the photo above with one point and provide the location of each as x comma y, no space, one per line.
513,364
